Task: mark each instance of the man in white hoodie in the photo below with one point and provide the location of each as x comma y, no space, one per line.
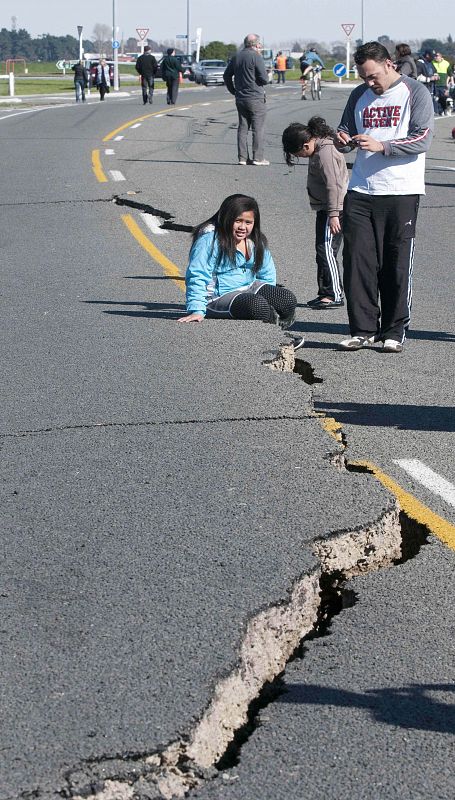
389,119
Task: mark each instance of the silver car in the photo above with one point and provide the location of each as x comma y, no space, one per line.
209,71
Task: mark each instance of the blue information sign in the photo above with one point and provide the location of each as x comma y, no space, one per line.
339,70
115,44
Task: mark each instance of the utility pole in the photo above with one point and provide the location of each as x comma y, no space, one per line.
114,47
188,40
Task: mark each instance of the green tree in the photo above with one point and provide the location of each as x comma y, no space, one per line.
218,50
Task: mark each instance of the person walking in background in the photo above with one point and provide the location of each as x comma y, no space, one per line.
405,63
245,77
426,72
170,72
444,72
326,184
80,80
280,66
146,66
102,78
389,119
231,274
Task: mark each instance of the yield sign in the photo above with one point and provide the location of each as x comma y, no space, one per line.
142,32
348,27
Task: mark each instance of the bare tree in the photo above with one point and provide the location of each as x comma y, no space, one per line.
102,37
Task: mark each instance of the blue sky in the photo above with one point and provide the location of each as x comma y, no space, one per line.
285,21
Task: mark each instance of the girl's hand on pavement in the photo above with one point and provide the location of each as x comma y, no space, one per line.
194,317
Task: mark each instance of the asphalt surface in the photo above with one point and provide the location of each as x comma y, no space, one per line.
161,486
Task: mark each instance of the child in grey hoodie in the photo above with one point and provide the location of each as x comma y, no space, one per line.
326,184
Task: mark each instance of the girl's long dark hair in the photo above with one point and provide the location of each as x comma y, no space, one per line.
231,208
296,135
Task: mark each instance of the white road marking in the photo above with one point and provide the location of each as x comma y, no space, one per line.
116,175
109,152
439,166
183,108
153,223
428,478
157,116
118,138
137,125
206,104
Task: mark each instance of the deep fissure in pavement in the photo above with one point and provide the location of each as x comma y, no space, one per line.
273,637
167,225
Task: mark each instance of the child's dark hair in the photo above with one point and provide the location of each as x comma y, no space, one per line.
231,208
296,135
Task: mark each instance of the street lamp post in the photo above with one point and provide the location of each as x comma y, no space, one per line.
362,32
114,49
79,30
188,40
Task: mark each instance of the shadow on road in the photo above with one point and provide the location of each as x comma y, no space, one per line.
392,415
405,706
155,310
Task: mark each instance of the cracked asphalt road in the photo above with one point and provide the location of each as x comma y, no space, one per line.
160,486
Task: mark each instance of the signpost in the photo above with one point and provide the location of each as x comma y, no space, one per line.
142,33
339,70
348,27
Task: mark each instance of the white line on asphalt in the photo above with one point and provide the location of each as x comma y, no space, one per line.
116,175
137,125
183,108
109,152
427,477
157,116
118,138
153,224
206,104
439,166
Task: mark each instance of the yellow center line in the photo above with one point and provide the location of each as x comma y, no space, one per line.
97,168
437,525
168,266
126,125
412,507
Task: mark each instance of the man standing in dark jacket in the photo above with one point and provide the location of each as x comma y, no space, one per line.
80,80
245,77
170,71
146,66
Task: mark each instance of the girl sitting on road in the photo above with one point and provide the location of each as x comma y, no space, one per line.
327,185
231,274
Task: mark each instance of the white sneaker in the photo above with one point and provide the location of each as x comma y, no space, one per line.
392,346
357,342
263,163
242,162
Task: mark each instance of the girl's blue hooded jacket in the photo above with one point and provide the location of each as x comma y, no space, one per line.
205,280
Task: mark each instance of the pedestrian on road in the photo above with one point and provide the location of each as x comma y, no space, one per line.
444,70
327,183
280,67
390,120
245,77
231,274
80,80
405,63
102,78
146,66
170,72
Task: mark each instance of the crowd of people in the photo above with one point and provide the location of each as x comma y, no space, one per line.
389,121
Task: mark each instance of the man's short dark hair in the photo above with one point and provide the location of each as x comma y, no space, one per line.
146,48
371,51
169,51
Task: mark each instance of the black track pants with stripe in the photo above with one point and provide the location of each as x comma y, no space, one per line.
327,246
378,257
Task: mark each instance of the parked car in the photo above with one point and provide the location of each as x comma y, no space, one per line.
210,71
186,62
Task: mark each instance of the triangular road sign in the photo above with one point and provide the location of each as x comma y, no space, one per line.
142,32
348,27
